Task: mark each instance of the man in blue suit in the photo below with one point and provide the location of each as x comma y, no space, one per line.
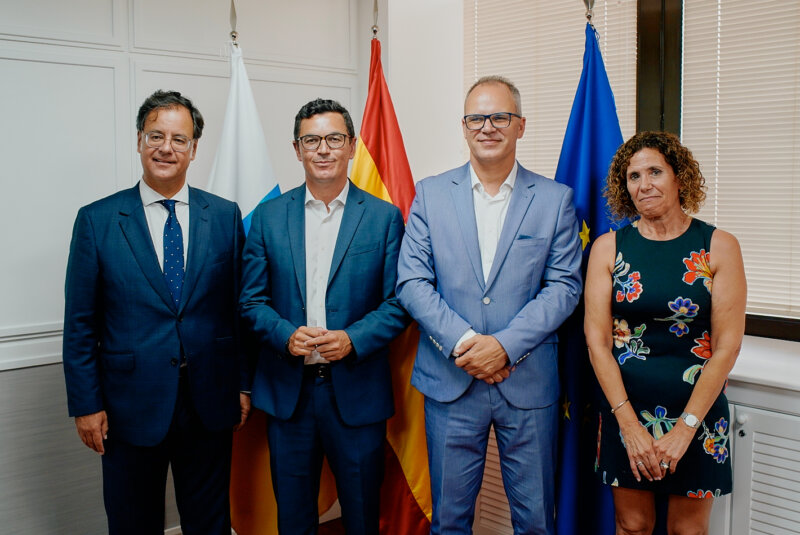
320,267
151,349
489,268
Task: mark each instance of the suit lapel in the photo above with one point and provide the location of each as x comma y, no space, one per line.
134,227
198,243
461,193
521,197
296,225
353,212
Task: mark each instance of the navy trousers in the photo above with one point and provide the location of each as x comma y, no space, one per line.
134,477
355,455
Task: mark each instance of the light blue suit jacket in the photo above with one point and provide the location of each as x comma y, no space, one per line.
360,299
534,284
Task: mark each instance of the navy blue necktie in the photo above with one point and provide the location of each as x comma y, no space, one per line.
173,252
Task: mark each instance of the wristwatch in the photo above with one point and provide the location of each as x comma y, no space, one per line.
690,420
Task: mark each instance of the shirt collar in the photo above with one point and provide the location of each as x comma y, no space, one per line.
340,199
150,196
507,185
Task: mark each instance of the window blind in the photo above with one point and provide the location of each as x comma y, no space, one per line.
539,46
741,119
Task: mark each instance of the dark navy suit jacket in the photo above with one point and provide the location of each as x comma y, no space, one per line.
360,300
123,336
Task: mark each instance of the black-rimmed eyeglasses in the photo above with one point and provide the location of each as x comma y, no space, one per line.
475,121
312,142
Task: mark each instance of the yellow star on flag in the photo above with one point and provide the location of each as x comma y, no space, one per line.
565,406
584,235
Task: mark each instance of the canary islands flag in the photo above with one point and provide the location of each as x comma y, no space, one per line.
242,170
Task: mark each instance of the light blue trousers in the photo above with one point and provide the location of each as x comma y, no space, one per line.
458,433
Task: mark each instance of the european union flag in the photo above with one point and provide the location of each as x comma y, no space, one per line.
593,136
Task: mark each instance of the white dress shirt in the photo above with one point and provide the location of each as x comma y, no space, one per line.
156,215
322,230
490,215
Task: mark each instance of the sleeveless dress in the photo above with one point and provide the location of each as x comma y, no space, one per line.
661,306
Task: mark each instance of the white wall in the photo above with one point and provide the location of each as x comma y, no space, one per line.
424,72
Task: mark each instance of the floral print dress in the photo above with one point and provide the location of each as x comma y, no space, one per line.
661,304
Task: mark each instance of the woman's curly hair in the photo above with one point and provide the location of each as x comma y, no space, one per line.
687,172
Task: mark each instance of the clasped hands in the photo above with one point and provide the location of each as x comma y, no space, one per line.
651,458
484,358
331,345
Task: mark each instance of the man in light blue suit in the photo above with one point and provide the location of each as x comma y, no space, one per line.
320,268
489,268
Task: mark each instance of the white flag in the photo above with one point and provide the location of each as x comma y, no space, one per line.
242,169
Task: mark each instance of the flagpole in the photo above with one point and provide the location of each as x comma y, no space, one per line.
589,6
234,33
375,19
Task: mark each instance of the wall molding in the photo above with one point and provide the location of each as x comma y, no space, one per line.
212,47
32,349
14,26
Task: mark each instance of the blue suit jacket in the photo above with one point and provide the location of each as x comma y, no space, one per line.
360,300
535,283
122,333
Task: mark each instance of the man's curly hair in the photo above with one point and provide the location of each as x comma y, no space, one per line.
687,172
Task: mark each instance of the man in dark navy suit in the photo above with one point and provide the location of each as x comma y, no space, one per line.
320,268
152,358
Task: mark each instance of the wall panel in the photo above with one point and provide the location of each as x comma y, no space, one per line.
96,22
271,31
59,152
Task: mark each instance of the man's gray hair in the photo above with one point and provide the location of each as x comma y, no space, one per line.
497,79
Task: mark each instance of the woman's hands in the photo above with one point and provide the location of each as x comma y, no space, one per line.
651,458
642,455
671,447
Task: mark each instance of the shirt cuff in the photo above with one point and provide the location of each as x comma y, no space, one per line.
464,337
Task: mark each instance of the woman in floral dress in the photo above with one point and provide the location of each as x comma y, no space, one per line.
660,341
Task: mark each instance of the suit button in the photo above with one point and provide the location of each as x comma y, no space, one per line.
486,300
173,362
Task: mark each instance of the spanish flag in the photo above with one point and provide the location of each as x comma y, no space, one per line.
381,168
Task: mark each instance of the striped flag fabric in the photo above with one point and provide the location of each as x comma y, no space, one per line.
593,136
380,167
